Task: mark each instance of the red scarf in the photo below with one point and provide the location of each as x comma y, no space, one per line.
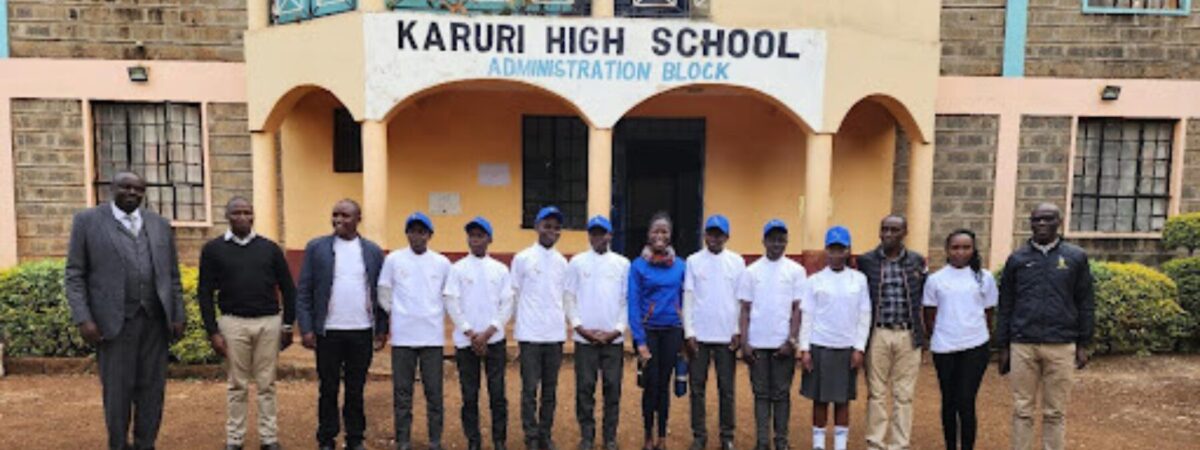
665,259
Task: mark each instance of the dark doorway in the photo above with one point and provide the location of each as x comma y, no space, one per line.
658,165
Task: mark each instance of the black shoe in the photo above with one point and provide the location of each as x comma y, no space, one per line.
355,446
532,444
698,444
499,445
474,446
234,447
727,444
610,445
435,446
271,446
549,445
328,446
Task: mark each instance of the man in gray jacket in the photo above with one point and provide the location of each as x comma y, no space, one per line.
122,283
1046,320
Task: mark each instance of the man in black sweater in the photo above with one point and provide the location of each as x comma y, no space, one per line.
246,273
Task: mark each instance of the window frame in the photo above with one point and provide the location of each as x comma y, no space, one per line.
529,210
91,160
1174,177
1185,9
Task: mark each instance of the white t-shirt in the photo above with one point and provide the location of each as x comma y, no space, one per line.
478,293
960,300
599,284
538,276
771,287
349,300
836,303
418,313
713,280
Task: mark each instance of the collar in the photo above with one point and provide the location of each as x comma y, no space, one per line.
883,255
229,236
543,250
120,215
1045,249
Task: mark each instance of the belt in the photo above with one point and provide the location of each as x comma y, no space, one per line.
894,326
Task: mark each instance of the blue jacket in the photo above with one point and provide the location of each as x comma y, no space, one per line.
655,297
316,284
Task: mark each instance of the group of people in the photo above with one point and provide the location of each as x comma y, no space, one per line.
682,316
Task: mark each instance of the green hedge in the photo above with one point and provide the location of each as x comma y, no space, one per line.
36,321
1137,310
1182,231
1186,273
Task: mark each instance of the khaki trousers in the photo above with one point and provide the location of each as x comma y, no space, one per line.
892,366
1049,368
253,349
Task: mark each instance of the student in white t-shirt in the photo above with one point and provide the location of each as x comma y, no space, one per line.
710,324
836,321
959,300
413,278
479,301
770,292
538,275
597,309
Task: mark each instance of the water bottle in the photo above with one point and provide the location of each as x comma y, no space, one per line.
681,378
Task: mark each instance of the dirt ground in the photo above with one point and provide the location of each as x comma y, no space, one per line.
1118,403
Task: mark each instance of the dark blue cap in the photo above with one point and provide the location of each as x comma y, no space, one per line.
838,235
774,224
421,218
719,222
599,222
549,211
480,222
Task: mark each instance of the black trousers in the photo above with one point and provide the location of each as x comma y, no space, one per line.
605,362
405,363
133,378
539,369
771,381
724,363
664,344
469,365
959,375
342,356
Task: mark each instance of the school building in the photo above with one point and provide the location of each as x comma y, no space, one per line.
958,113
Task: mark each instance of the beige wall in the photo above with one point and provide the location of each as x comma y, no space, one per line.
863,153
310,188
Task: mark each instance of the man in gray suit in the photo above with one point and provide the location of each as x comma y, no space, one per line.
122,282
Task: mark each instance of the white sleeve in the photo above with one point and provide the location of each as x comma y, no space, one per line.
571,307
991,295
689,309
385,296
623,317
863,331
385,274
805,331
507,304
929,298
745,287
454,310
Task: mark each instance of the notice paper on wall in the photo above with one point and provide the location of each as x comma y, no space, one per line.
444,204
494,175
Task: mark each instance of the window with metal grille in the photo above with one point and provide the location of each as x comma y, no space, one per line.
1156,7
1122,175
163,143
347,143
554,163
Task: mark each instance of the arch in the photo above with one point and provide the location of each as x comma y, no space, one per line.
898,111
284,104
482,83
699,88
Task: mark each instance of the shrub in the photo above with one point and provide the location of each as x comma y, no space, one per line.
1186,273
1137,310
36,320
1182,231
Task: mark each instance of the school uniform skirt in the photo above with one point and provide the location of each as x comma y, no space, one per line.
831,380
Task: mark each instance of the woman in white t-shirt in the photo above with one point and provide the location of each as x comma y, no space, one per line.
959,300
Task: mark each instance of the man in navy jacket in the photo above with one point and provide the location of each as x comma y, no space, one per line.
339,317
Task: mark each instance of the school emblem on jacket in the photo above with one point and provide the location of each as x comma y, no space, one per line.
1062,263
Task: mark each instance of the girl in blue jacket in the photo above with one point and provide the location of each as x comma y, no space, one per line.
655,301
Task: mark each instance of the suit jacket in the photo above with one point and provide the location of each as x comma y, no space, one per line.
96,264
316,284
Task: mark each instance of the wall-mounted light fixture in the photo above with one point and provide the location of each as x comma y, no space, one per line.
139,73
1110,93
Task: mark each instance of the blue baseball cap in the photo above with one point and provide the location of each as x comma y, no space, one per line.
418,217
719,222
838,235
599,222
774,224
480,222
549,211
